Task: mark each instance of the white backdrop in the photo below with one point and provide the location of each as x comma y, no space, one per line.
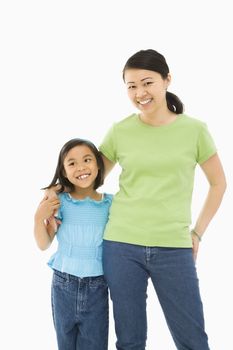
61,64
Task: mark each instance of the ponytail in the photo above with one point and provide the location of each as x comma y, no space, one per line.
174,104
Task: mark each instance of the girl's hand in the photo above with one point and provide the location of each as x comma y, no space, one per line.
47,208
52,225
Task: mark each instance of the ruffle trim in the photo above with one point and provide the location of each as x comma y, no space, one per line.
106,198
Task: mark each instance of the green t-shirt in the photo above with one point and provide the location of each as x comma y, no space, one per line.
153,204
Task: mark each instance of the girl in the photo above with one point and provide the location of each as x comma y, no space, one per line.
79,290
148,235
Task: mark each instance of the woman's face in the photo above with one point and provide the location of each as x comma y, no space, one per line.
146,89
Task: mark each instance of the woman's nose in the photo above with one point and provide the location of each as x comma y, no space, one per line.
141,92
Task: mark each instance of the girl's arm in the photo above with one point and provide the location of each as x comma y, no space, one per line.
214,173
44,230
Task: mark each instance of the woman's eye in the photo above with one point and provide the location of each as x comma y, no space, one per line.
71,164
131,87
148,83
87,160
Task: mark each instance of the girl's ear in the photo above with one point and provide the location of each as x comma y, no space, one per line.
64,173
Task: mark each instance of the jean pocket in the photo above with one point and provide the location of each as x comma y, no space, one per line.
98,281
59,277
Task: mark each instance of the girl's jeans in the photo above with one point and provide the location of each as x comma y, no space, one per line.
80,312
127,268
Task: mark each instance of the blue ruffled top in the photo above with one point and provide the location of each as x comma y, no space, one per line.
80,235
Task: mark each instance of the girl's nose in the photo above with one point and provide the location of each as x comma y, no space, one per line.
81,167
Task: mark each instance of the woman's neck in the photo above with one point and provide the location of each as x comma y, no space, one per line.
158,118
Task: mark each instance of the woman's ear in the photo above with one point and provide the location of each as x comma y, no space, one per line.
168,80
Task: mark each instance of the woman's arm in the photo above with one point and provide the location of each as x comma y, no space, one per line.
214,173
45,231
108,165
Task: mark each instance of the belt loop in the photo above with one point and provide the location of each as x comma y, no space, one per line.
68,277
148,251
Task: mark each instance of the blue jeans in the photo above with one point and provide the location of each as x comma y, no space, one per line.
127,268
80,312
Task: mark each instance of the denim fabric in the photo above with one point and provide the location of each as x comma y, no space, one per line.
127,268
80,312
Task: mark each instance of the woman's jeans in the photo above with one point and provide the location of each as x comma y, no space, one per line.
127,268
80,312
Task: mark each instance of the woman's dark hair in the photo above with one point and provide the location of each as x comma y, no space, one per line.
59,176
154,61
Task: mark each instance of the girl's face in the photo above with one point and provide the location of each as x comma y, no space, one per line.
146,89
80,167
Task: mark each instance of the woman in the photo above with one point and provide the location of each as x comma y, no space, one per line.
148,234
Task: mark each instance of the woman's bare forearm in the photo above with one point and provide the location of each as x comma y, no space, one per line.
217,181
108,165
210,207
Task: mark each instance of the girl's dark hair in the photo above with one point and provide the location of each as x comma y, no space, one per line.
154,61
59,176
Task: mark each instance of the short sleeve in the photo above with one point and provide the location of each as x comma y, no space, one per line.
108,146
206,145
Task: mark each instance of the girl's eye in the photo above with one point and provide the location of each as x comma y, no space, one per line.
87,160
148,83
71,164
131,87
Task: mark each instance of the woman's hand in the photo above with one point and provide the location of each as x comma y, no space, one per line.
47,208
51,193
195,242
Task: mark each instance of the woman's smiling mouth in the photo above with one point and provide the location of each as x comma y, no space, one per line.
145,101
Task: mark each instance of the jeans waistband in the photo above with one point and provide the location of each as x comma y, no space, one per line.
69,277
